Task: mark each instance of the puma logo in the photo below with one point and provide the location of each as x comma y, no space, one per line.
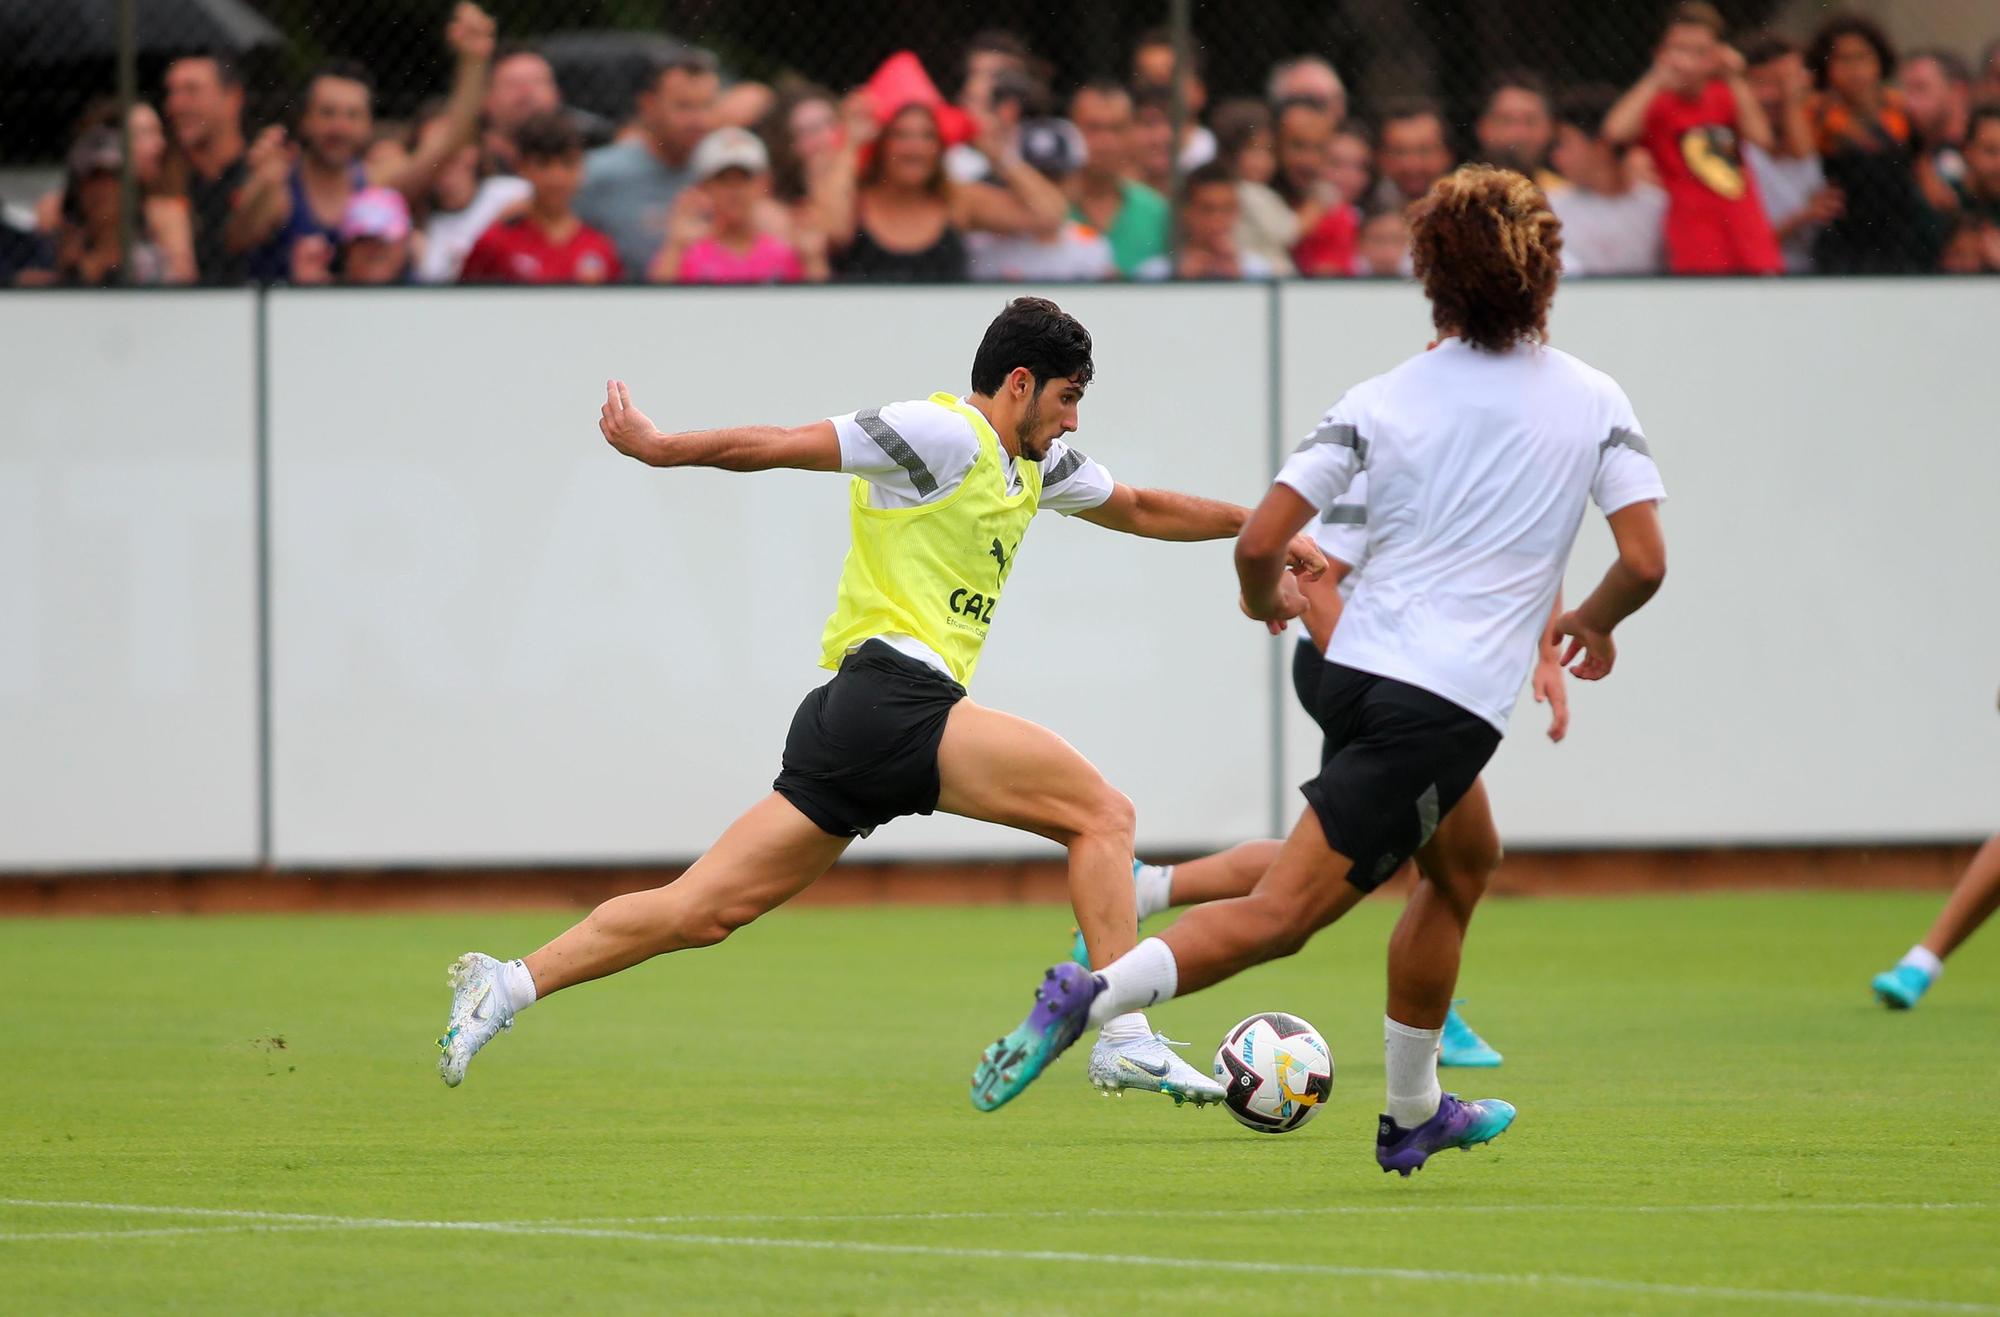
1000,555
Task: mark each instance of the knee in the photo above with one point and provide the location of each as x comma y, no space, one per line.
1108,815
1282,927
707,927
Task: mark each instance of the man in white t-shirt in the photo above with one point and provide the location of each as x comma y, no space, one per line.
1613,222
1481,455
941,494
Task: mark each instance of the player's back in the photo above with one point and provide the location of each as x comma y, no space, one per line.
1479,465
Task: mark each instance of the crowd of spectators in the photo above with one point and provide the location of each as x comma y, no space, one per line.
1757,155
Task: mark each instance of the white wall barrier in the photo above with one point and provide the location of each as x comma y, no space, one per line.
128,594
493,640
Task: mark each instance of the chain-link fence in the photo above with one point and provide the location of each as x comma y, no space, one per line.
755,141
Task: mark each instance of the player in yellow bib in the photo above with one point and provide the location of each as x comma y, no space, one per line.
943,491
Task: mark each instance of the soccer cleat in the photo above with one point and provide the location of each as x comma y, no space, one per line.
1079,950
1457,1124
1152,1066
1062,1007
1460,1046
1902,987
479,1010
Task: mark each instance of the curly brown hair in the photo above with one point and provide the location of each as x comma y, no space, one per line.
1488,250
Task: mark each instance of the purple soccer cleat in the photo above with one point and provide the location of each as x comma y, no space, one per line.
1062,1008
1457,1124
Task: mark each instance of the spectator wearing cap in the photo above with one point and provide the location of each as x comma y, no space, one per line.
164,222
630,186
84,251
204,114
369,247
1692,111
715,237
548,244
1975,243
1265,226
1310,78
1868,147
1327,222
1104,194
1205,232
1937,93
1153,67
1516,128
892,213
1797,199
290,196
1415,152
1076,252
1612,221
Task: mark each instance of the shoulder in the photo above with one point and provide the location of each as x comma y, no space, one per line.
1589,379
1142,200
920,423
610,160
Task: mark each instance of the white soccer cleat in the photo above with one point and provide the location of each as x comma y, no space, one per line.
479,1010
1151,1066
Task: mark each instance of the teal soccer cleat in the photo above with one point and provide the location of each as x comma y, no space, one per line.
1902,987
1461,1047
1062,1008
1079,952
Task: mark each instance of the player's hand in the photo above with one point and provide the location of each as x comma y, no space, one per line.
1303,556
1287,604
1552,690
471,33
1599,654
625,427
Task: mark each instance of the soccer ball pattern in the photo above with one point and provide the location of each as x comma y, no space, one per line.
1277,1070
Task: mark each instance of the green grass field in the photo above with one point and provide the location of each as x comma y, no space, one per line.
245,1115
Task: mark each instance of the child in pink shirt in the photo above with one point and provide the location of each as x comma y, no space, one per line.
714,238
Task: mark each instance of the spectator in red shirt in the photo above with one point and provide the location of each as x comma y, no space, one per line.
548,244
1692,112
1327,222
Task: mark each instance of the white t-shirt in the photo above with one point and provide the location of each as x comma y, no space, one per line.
1341,531
449,236
1479,465
1075,254
1602,234
1785,185
917,452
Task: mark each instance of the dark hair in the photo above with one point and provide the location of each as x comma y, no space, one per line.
1585,108
1102,87
1290,103
514,50
550,135
997,41
1360,128
1148,96
1488,250
1164,36
1984,112
1036,333
346,70
788,172
1949,62
1762,46
1208,175
1698,13
226,71
939,183
1820,53
691,60
1405,108
1526,80
1236,124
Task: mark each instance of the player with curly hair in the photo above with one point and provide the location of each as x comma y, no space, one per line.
1480,456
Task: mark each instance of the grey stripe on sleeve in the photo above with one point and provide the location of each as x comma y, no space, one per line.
1072,462
1337,432
898,449
1345,514
1620,437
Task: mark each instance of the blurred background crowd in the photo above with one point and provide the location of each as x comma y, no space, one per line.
226,142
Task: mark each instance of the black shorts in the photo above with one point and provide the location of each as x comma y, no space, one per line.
1401,759
863,747
1307,664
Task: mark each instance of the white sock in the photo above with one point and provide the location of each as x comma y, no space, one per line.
1921,958
518,984
1130,1027
1410,1056
1155,884
1141,977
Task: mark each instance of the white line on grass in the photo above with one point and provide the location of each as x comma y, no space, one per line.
246,1227
1598,1284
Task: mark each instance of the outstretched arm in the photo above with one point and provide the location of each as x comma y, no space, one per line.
813,447
1165,514
1630,581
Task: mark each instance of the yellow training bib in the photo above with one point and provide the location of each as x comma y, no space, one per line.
934,571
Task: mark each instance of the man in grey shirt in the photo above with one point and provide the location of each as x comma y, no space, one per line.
630,187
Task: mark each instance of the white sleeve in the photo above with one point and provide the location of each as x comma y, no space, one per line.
917,451
1325,465
1625,470
1071,482
1342,530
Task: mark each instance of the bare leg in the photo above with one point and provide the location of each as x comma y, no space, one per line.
1304,890
1007,770
1976,897
769,855
1233,872
1453,869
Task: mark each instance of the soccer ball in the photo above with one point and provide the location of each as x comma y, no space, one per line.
1277,1071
